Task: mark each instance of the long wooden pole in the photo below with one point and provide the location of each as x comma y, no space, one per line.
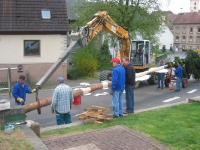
47,101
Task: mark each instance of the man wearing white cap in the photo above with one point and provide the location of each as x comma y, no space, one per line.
61,102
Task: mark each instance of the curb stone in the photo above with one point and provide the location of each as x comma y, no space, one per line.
32,137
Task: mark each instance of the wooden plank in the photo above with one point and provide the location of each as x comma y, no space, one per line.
90,120
97,122
95,114
99,107
91,109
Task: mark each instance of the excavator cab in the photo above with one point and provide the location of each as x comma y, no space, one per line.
141,54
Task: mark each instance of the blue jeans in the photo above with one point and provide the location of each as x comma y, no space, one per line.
178,82
129,98
63,118
160,79
117,103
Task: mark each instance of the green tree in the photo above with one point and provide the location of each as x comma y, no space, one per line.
191,64
140,17
104,57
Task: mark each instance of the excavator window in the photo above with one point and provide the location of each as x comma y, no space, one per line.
137,52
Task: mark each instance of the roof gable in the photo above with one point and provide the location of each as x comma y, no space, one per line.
25,16
187,18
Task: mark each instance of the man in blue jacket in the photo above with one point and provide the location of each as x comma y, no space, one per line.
178,73
117,87
20,89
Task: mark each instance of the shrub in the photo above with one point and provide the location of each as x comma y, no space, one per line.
85,62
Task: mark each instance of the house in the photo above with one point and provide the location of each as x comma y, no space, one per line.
165,37
33,34
186,29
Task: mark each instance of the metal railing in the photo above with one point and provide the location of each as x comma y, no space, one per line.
8,80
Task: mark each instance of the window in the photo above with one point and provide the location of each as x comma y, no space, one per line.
46,14
198,38
177,38
191,30
194,7
184,30
177,30
191,39
31,47
183,38
194,3
198,30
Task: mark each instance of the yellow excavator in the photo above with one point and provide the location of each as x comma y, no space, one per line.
127,47
102,21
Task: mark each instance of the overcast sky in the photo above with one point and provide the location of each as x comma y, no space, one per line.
176,5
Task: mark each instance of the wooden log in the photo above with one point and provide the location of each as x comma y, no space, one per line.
99,107
82,117
99,116
90,120
47,101
150,71
91,109
97,122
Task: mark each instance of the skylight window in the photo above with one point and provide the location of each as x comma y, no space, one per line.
46,14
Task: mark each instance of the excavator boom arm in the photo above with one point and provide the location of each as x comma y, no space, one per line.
102,21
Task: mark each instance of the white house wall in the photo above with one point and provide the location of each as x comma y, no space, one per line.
12,49
165,38
12,55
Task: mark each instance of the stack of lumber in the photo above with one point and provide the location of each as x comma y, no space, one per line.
95,114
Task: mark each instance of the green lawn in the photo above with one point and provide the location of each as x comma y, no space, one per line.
177,127
14,141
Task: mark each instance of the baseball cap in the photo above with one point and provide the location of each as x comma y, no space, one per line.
60,79
115,60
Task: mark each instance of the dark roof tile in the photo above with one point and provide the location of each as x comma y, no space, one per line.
25,15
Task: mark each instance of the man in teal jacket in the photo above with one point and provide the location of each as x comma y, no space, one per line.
118,85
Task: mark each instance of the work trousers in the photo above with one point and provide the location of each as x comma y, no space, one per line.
178,82
63,118
129,98
160,79
117,103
